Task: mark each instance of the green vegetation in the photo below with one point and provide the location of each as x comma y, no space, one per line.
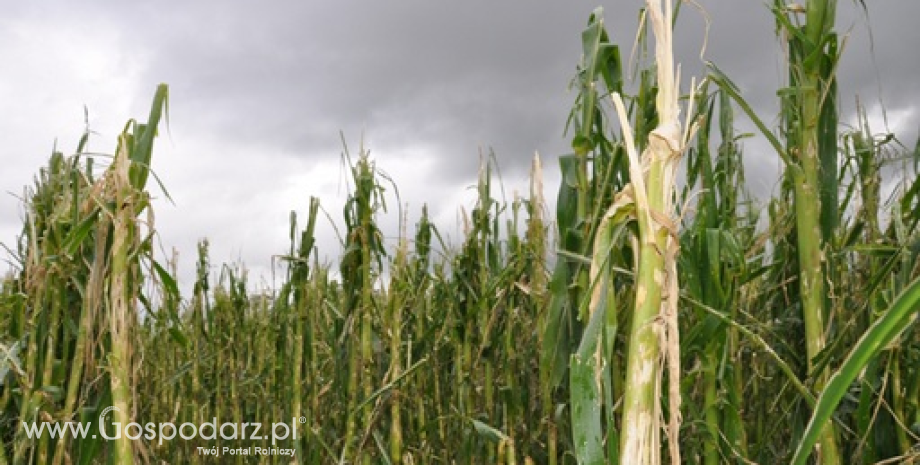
644,306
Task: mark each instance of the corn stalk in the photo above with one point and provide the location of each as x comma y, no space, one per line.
809,112
654,331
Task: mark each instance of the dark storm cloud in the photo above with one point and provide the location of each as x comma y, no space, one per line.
466,75
261,89
471,74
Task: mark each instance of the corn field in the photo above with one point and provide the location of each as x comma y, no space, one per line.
643,321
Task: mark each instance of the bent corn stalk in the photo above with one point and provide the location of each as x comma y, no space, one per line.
126,180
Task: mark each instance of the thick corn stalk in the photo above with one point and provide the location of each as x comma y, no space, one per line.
121,300
654,332
811,117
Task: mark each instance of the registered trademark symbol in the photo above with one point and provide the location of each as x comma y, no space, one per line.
303,420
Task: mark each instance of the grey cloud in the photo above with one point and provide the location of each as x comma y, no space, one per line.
260,90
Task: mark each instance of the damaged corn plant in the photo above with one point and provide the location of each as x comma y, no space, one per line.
661,314
642,213
741,290
72,310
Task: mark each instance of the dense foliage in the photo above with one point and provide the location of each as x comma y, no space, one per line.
513,345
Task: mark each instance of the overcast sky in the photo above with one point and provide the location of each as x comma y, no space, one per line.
259,91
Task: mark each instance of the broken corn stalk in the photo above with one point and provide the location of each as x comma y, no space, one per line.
653,339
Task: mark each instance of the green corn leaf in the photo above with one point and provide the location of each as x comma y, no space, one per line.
141,148
556,345
76,235
827,144
585,392
166,279
716,75
879,335
586,412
